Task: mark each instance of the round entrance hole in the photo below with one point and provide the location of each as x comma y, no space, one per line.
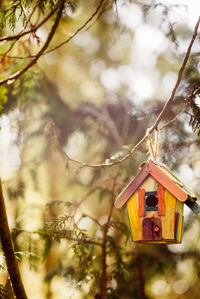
151,201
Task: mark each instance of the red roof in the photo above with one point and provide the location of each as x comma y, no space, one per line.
163,176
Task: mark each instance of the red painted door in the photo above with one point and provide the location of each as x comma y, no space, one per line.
152,229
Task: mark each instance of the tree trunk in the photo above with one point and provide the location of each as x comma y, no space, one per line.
8,250
141,279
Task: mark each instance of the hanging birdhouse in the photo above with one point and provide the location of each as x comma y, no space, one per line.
155,200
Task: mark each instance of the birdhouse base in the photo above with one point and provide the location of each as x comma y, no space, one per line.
150,242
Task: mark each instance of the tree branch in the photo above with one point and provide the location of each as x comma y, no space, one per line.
104,247
35,59
79,29
34,29
92,218
180,74
101,4
8,250
157,121
63,237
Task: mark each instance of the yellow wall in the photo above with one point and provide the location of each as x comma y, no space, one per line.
168,221
132,205
149,184
179,207
135,220
172,205
180,228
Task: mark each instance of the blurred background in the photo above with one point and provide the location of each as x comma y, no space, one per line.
93,99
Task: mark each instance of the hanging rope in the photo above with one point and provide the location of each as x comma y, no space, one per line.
156,146
153,146
151,149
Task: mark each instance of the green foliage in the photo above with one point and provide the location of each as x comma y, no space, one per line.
2,267
84,255
195,116
3,292
10,14
44,5
122,227
2,19
20,254
26,87
72,5
21,10
46,247
3,97
20,92
16,191
64,227
103,194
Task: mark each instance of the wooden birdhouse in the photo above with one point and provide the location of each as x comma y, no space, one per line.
155,200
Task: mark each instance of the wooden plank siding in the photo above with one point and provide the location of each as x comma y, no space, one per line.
130,227
181,235
179,227
134,218
141,196
179,207
168,221
179,221
161,200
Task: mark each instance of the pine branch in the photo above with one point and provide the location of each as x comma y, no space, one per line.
45,46
193,98
8,250
88,21
45,234
34,29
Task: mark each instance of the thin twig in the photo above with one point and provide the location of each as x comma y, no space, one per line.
79,29
180,74
77,205
174,118
157,121
44,234
5,54
92,218
29,18
193,92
